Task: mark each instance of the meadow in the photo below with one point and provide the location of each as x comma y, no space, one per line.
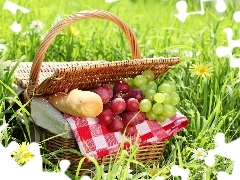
209,99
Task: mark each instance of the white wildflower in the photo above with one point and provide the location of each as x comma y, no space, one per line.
36,25
199,154
16,27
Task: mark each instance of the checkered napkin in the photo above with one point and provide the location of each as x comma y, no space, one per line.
96,140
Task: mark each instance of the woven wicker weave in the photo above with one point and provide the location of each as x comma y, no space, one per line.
43,79
145,154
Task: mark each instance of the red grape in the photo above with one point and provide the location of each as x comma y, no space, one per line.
105,117
132,105
141,117
134,93
130,130
117,105
109,90
116,124
133,118
121,87
103,93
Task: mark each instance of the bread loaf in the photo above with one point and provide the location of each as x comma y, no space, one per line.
77,103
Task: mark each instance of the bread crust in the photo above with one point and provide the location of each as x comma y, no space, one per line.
77,103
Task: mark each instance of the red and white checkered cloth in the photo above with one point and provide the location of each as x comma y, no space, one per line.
96,140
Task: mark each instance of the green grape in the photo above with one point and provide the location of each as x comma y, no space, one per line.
169,110
167,99
157,108
151,115
159,97
149,74
130,81
143,88
160,118
175,99
145,105
140,80
164,88
149,94
172,84
152,85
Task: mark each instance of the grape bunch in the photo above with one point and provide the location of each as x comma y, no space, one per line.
120,107
129,102
159,101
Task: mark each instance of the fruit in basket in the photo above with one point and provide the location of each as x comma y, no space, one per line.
133,118
167,99
160,118
145,105
121,106
175,99
121,87
149,94
169,110
129,130
151,115
152,85
149,75
134,93
157,108
116,124
105,92
109,89
159,100
126,105
132,105
106,117
140,80
130,81
159,97
77,103
117,105
165,88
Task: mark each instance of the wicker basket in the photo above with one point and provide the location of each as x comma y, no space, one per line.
46,78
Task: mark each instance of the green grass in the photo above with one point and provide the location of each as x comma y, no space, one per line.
211,105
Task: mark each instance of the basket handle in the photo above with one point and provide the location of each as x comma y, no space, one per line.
37,62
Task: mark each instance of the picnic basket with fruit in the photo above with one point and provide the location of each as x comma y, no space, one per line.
92,106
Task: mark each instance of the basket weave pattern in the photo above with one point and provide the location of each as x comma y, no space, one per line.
145,154
44,79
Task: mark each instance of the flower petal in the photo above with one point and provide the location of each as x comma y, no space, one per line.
16,27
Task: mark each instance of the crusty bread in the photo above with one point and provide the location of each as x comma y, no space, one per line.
77,103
